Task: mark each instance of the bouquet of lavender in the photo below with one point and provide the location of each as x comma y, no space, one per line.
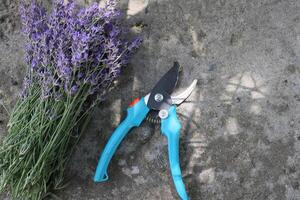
73,56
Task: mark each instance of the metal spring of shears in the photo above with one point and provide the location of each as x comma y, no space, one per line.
153,120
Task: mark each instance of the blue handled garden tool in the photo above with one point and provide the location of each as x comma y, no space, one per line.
161,101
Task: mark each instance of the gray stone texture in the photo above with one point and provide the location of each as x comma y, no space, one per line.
240,137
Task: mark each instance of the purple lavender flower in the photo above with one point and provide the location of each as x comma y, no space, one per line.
74,89
71,47
135,44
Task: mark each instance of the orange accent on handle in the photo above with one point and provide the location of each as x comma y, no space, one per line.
134,102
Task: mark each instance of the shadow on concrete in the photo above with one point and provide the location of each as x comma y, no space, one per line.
227,148
225,151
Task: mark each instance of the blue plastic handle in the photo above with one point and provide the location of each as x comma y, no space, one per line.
135,116
170,128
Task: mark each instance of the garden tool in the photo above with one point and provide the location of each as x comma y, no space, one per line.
160,101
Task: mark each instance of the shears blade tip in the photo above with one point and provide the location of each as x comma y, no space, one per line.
178,99
178,66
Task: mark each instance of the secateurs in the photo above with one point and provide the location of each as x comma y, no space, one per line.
161,101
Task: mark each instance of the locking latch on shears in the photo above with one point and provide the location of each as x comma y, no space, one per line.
160,100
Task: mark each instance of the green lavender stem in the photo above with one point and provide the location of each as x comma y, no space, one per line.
34,153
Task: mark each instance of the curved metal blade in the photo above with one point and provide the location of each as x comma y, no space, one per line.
178,99
164,86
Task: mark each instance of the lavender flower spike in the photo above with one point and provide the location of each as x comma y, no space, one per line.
73,44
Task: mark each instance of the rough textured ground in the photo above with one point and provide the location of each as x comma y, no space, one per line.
241,127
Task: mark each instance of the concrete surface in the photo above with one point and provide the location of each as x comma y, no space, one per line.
241,127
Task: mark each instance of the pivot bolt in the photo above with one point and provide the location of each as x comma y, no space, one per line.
158,97
163,114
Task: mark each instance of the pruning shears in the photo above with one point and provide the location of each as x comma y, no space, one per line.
160,101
